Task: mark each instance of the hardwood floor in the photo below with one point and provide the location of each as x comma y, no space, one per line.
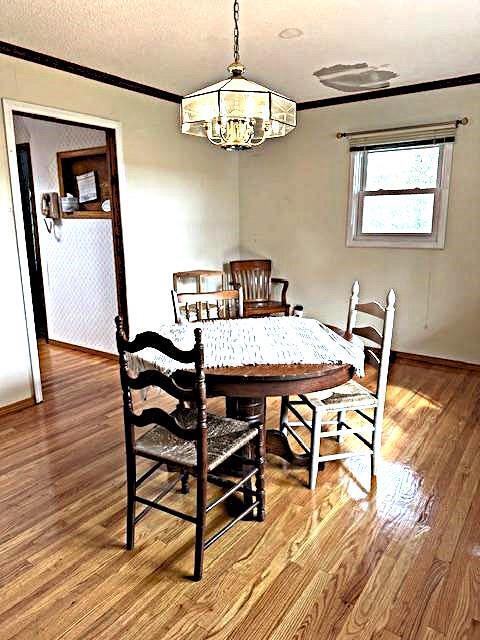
399,562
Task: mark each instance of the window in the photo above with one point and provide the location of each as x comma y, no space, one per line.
399,193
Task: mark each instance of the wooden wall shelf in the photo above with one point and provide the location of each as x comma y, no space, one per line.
87,215
74,163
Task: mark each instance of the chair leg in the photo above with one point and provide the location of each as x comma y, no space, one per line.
284,414
340,418
200,528
260,475
315,448
184,481
131,493
247,488
377,442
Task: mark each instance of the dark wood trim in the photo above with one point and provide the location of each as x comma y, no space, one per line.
117,233
46,60
428,361
434,85
36,239
76,347
17,406
80,153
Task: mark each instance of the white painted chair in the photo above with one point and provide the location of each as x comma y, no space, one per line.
351,396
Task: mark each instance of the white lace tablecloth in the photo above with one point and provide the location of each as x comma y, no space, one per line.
256,341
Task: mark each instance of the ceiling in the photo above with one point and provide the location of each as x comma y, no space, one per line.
182,45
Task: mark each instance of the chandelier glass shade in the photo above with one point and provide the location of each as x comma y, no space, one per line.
237,114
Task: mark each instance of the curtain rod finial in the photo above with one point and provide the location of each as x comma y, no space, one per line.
463,121
340,135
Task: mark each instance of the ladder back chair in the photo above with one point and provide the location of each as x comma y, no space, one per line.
191,441
255,278
212,305
349,397
198,280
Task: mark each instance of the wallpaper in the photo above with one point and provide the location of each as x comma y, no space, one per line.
77,257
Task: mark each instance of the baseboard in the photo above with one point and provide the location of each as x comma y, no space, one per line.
17,406
421,360
76,347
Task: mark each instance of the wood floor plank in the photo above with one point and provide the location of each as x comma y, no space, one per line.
399,561
432,634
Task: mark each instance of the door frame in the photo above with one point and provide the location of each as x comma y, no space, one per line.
113,131
36,238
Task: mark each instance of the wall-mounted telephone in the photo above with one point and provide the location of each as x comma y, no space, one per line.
51,208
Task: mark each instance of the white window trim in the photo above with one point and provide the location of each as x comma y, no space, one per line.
434,240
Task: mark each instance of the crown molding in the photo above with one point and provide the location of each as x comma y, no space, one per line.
434,85
15,51
46,60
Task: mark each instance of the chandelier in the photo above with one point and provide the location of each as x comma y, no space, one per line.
237,114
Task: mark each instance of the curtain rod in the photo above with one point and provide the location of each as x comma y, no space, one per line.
346,134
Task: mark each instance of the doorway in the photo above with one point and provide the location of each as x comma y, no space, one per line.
48,260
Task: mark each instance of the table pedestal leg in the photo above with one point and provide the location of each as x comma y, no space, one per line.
252,410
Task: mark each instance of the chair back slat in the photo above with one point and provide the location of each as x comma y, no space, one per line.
197,281
157,416
372,309
153,340
225,304
149,378
254,276
372,358
155,378
369,333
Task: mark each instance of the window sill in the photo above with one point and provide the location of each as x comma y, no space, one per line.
395,243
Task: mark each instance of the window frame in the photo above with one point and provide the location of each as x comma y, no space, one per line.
358,177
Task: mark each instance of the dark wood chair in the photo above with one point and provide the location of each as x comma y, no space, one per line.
213,305
255,278
189,440
197,281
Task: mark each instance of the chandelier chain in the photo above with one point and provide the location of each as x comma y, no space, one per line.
236,31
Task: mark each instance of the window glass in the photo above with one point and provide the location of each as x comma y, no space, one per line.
402,168
408,213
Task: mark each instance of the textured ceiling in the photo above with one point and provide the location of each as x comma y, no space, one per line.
181,45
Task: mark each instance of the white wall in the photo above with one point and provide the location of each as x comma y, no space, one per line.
179,210
293,202
181,206
77,256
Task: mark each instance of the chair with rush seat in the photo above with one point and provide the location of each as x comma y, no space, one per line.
349,397
188,440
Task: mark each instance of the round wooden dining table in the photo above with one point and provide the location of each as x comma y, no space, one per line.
247,387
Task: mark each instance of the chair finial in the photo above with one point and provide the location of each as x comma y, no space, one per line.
120,327
391,299
356,288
